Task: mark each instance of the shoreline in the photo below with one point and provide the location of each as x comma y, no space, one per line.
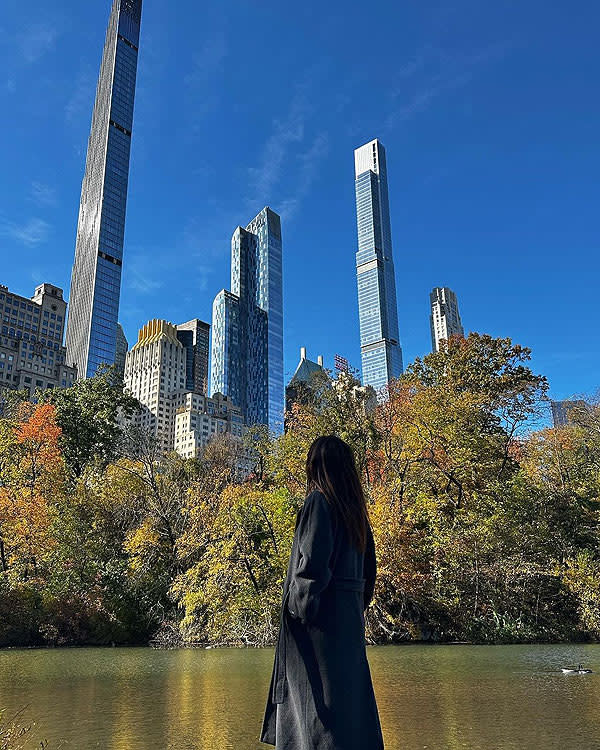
210,647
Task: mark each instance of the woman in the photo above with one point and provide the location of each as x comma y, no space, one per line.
321,696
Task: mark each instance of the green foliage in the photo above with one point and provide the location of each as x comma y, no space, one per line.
582,578
89,415
232,594
484,531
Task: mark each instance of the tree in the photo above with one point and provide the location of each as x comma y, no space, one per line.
90,415
32,475
232,593
485,529
445,464
345,409
582,578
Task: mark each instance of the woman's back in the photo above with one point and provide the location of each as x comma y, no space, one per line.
321,695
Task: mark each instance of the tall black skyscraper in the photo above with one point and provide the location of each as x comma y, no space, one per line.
96,281
195,336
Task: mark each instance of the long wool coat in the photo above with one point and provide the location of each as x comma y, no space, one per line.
321,695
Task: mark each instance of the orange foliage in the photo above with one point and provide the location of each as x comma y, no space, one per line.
39,436
26,501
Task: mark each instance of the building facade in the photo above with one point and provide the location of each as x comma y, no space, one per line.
96,279
199,419
155,370
563,412
247,335
195,336
307,368
121,352
158,372
32,355
309,376
381,352
445,319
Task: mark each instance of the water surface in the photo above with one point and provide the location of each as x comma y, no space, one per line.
434,698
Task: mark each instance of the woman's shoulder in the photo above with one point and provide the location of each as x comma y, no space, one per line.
317,504
315,499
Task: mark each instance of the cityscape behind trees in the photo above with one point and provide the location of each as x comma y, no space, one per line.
148,493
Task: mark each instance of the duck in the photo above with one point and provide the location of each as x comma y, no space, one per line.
579,669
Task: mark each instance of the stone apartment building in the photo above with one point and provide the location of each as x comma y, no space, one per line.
158,372
32,354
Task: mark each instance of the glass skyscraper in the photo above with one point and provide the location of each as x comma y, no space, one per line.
247,331
96,281
381,352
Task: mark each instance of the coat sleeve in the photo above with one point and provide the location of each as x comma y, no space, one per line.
313,572
370,568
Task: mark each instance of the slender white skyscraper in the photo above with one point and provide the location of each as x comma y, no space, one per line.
96,279
378,311
445,316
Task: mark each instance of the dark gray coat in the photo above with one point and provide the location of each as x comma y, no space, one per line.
321,695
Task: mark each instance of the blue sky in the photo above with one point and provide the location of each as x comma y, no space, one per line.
489,113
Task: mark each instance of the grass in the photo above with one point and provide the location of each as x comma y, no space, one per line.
14,732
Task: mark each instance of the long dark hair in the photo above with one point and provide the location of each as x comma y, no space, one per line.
330,468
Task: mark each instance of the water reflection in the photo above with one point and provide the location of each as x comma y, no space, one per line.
440,698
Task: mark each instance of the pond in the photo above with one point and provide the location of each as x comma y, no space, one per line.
434,697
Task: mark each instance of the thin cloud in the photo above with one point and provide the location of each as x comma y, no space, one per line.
308,171
143,277
286,133
43,195
33,232
36,42
435,74
208,61
80,103
421,100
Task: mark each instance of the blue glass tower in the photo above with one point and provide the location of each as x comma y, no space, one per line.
91,337
381,352
247,331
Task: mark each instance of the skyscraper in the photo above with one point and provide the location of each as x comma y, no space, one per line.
157,373
247,337
96,279
307,368
445,317
155,369
121,352
310,378
565,413
199,419
195,336
378,311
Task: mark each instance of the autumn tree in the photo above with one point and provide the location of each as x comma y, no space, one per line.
91,415
32,474
447,438
232,592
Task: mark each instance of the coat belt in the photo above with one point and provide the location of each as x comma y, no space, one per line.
348,584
